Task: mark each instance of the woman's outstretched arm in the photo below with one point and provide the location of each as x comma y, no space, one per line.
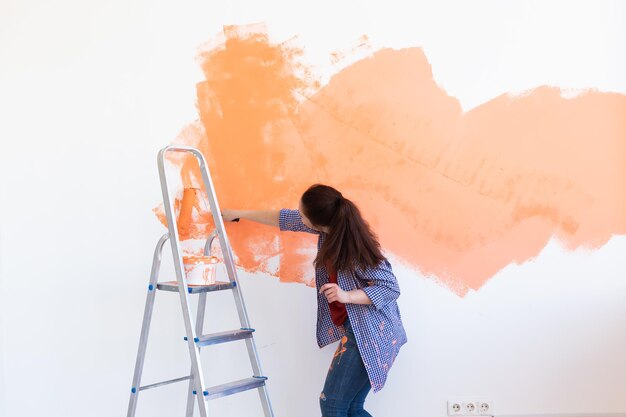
269,217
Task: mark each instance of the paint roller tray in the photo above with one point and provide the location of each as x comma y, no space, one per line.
194,289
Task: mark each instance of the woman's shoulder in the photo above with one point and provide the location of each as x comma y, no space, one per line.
291,220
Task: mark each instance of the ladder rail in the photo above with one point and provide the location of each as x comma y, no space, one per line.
194,351
199,326
199,323
145,325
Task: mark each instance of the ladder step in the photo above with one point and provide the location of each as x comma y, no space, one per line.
234,387
222,337
195,289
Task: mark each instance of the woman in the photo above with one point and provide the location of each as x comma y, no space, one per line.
357,292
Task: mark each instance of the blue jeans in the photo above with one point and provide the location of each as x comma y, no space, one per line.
347,383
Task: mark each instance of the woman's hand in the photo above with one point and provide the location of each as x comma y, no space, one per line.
230,215
268,217
332,292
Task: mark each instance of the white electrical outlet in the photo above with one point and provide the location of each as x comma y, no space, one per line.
485,408
470,408
455,408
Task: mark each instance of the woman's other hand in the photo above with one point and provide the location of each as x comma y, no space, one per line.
332,292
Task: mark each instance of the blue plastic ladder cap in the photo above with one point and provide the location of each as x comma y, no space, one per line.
150,287
205,393
194,392
234,284
195,339
185,337
189,290
133,390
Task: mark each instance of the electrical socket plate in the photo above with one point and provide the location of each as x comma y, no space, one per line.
470,408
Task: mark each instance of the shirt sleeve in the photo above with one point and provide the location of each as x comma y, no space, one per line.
291,220
383,288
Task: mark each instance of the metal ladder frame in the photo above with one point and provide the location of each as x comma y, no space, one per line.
194,334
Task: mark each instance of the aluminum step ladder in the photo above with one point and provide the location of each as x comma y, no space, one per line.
195,337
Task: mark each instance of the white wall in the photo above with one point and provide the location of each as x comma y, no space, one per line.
91,91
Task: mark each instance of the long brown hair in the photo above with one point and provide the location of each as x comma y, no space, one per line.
350,242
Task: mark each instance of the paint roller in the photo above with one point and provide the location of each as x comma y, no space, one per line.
186,208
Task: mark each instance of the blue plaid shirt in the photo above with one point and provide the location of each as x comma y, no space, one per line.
377,327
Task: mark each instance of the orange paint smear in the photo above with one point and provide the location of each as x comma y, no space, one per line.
247,106
458,196
341,348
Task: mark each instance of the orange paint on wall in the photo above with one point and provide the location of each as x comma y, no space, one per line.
457,195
